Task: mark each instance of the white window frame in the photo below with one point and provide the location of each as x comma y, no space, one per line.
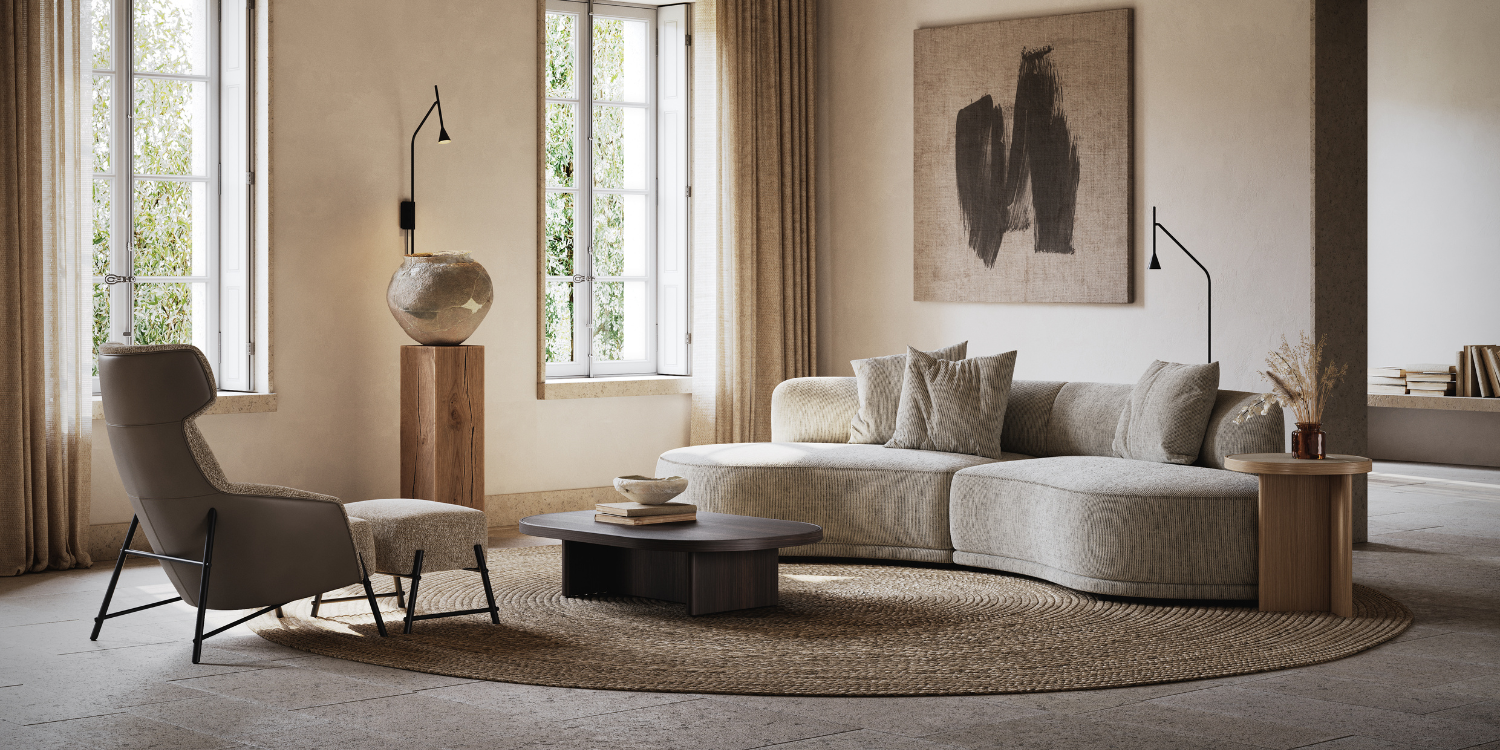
658,350
230,359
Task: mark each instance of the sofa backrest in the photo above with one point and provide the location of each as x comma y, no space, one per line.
1043,418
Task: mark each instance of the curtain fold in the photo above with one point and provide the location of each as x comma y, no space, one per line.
45,300
763,310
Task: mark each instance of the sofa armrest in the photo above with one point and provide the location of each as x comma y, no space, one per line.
1259,434
813,410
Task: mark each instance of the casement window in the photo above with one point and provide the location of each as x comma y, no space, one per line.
172,181
615,199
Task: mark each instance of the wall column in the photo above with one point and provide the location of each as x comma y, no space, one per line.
1340,45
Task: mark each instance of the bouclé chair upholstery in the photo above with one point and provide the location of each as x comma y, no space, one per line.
1058,506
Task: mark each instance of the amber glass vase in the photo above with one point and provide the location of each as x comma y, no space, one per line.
1307,441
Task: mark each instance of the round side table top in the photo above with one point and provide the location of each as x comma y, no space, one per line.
1283,463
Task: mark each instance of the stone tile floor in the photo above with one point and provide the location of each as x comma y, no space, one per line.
1435,545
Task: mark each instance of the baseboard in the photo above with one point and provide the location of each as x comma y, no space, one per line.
508,510
105,540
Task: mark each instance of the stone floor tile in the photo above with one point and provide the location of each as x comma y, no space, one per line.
37,704
1380,665
1214,726
129,732
863,739
1365,693
326,736
33,738
1392,726
1485,712
542,703
1487,686
699,724
227,718
290,687
1466,647
1085,701
435,723
372,673
1053,732
913,717
1355,742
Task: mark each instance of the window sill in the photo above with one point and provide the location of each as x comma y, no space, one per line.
228,403
614,386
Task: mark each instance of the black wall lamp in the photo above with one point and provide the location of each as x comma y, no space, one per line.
1156,266
409,206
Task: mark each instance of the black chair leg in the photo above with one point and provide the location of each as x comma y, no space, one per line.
109,593
374,607
484,574
208,556
318,602
411,601
400,592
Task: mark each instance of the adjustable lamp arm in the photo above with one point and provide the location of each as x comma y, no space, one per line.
409,206
1155,264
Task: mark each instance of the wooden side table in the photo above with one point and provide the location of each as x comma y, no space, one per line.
1306,530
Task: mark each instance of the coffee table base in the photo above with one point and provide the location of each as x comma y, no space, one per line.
707,582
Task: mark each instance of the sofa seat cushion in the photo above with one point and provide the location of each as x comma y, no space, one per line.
1174,530
866,496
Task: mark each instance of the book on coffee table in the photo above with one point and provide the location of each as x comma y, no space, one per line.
643,520
633,510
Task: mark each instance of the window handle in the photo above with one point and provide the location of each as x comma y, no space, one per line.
580,278
111,279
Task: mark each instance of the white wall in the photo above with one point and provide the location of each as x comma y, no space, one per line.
350,79
1222,147
1434,178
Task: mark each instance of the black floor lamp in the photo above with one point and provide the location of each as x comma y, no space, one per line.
1156,266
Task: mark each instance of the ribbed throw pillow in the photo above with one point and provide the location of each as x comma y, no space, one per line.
954,407
1168,413
879,382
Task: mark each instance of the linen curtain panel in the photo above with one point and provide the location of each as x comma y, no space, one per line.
759,281
45,311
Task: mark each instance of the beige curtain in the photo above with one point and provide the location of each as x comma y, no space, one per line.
761,314
45,315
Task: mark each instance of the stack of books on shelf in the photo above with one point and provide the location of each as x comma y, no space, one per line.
1479,371
1430,380
636,514
1387,381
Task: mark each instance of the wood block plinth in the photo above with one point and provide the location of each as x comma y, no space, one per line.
442,424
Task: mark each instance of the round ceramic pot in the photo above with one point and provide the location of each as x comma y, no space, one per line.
650,490
440,298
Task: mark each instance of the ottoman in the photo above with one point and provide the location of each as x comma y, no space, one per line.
416,536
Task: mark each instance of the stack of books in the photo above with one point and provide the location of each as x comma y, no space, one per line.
1479,371
1431,380
1387,381
636,514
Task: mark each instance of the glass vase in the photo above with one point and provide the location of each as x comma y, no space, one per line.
1308,441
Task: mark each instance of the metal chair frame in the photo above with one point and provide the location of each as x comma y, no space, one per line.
409,603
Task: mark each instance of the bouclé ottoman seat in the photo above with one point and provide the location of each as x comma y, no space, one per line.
1060,507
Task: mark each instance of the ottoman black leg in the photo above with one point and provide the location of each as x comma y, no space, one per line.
374,606
400,592
317,602
416,580
484,575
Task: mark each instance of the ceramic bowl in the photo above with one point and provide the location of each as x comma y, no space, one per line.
650,490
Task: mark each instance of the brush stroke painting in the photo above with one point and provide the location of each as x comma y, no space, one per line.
1022,170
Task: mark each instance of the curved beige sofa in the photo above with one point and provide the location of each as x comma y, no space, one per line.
1061,508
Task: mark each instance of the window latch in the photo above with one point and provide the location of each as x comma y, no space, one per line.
580,278
111,279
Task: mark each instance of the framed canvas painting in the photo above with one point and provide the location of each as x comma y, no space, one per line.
1023,160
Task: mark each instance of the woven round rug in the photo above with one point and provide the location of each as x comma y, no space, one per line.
840,630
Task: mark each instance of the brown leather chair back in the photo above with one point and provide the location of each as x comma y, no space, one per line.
272,544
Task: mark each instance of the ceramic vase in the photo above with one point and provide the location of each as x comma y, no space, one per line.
440,298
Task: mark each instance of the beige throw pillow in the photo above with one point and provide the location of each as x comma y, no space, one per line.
1168,413
954,407
878,380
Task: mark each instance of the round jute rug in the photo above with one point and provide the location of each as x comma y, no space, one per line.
841,629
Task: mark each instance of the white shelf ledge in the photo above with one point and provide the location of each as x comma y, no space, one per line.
1443,403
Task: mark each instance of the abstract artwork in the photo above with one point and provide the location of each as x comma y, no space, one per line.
1023,160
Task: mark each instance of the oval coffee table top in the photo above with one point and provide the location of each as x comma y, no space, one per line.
1283,463
712,532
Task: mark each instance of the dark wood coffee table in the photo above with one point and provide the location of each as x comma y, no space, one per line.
715,564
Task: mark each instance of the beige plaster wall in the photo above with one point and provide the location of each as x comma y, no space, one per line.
1434,178
1222,147
349,81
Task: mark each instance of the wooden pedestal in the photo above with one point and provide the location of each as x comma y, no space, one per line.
442,424
1306,530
